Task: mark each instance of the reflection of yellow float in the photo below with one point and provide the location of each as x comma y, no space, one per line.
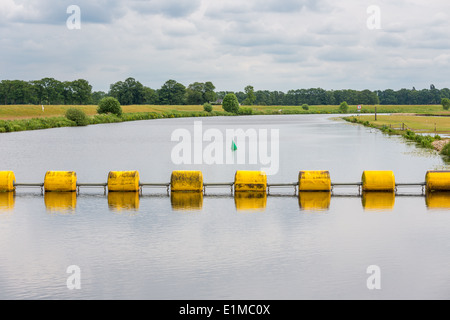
438,200
378,201
314,201
118,201
60,201
186,201
7,201
250,201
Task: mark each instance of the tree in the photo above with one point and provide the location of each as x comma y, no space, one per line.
446,103
343,108
128,92
194,93
150,96
97,96
209,95
109,105
172,93
250,96
81,91
231,103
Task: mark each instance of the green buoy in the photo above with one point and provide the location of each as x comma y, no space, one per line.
233,146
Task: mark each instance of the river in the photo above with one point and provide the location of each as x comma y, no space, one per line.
158,246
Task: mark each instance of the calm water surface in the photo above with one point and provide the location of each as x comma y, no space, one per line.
217,247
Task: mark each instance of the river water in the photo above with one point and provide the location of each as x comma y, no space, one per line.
216,246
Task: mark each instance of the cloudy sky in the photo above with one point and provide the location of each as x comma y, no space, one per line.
270,44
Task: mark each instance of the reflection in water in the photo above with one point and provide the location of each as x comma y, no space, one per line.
250,201
314,201
186,200
119,201
438,200
378,201
62,202
7,201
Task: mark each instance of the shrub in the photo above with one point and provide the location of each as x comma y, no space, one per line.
445,103
78,116
208,107
446,150
343,108
245,111
109,105
305,107
230,103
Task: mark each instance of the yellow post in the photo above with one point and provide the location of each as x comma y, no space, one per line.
378,181
314,181
255,181
60,181
7,180
186,181
438,180
123,181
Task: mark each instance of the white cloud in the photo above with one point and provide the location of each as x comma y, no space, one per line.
275,45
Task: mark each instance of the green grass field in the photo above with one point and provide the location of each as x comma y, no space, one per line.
15,112
426,124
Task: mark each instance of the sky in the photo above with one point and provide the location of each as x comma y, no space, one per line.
269,44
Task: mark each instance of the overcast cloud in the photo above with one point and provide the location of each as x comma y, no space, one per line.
273,45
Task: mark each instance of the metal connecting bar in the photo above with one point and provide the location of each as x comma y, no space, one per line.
349,184
29,185
410,184
155,185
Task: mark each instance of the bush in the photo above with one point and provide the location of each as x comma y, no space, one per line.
208,107
305,107
245,111
343,108
230,103
445,103
78,116
446,150
109,105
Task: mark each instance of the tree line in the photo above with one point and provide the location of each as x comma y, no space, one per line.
130,91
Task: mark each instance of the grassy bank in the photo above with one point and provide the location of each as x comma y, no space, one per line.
425,141
16,112
425,124
28,117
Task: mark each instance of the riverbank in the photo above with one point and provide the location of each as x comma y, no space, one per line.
18,112
29,117
432,142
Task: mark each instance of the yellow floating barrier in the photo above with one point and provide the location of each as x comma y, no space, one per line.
250,201
314,181
60,201
118,201
314,201
438,200
123,181
255,181
60,181
7,201
7,180
378,201
186,201
378,181
186,181
438,180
